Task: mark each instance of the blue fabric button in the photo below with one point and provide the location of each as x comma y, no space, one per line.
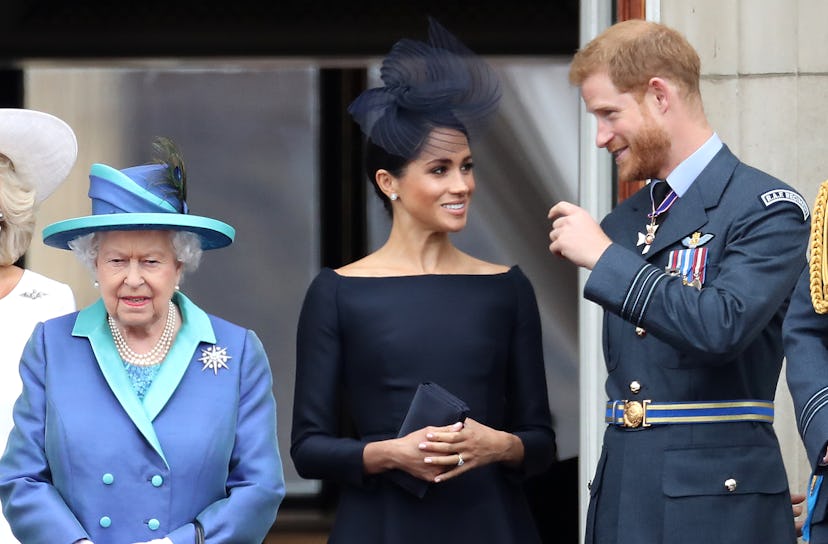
108,479
105,522
157,480
153,524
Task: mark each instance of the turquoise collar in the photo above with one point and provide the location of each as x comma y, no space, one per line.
195,329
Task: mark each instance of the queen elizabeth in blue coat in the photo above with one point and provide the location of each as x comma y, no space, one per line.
142,418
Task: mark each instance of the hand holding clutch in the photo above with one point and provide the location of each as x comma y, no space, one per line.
431,406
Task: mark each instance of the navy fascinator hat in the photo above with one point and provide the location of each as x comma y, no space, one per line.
439,84
145,197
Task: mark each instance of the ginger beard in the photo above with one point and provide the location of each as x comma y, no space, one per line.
647,152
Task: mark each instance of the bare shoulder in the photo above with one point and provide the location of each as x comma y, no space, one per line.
377,265
369,266
356,268
478,266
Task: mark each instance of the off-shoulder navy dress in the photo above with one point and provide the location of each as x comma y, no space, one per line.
363,346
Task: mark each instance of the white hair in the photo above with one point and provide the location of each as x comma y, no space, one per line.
187,246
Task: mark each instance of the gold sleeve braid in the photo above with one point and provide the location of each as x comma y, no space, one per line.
817,263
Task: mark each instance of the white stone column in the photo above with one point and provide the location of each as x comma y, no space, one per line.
595,195
90,100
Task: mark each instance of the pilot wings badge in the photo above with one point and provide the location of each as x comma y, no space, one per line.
696,239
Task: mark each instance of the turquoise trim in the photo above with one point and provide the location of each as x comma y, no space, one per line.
89,319
195,329
91,323
116,177
214,233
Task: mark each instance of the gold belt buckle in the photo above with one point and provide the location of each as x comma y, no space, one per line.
635,413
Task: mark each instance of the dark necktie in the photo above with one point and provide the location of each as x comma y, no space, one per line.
660,190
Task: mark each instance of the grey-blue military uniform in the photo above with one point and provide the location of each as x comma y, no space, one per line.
805,334
707,332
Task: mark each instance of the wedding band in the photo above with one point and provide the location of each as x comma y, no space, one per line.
460,460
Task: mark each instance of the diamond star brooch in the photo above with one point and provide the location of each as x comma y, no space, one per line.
214,358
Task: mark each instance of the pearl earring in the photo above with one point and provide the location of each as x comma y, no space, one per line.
95,284
394,196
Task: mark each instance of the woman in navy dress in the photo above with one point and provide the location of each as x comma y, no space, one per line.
420,310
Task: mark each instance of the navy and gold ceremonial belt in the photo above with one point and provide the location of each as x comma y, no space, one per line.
633,413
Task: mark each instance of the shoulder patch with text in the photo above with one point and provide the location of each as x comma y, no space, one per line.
786,195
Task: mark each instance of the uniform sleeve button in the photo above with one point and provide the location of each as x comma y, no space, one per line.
107,478
153,524
157,481
105,522
730,484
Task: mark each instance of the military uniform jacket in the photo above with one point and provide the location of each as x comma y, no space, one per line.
88,459
805,333
666,483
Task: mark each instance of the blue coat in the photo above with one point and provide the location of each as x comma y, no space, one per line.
805,333
88,459
666,483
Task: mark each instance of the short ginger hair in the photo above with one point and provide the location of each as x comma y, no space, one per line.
634,51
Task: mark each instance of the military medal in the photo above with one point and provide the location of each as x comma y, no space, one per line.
690,264
698,259
647,239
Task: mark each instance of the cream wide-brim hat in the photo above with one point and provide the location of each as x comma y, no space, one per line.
41,147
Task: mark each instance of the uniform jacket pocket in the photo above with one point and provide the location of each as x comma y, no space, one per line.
723,471
730,495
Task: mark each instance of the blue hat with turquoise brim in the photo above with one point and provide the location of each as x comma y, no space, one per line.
136,198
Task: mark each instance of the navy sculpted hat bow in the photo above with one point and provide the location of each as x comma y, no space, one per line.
439,84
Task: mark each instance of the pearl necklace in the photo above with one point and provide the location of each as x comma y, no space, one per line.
157,354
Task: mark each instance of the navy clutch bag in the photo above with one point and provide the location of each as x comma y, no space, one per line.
431,405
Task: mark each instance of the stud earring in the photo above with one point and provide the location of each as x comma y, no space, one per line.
95,284
177,287
394,196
